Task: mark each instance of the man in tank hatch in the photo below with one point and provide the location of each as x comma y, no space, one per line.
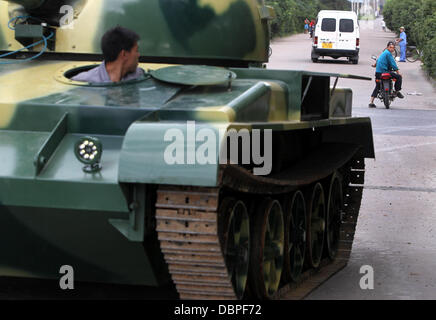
120,51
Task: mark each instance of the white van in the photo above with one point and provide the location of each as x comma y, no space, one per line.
336,35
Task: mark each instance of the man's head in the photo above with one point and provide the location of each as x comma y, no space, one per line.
390,46
121,45
402,29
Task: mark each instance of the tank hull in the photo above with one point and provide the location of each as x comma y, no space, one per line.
59,215
225,181
37,242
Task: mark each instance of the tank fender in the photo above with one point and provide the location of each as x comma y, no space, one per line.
355,132
341,102
172,153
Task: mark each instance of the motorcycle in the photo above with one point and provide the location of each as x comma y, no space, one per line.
386,92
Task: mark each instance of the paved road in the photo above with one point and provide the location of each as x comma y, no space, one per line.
294,53
396,230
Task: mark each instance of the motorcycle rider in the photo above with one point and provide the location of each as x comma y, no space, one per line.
386,64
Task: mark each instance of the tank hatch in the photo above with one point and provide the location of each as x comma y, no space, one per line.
194,75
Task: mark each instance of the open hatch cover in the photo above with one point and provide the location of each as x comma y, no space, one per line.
194,75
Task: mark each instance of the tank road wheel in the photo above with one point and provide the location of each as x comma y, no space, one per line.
315,226
295,236
267,248
333,217
236,242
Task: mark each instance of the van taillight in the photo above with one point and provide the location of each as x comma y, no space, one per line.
315,41
357,42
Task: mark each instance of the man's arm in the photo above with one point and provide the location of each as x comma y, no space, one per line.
392,62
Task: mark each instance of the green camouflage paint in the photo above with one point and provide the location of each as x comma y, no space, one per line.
3,43
232,35
194,29
186,29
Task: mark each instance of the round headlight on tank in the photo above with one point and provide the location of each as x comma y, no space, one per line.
88,150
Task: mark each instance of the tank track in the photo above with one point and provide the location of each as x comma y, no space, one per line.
187,227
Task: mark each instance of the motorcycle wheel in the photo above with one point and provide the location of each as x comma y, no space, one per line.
386,99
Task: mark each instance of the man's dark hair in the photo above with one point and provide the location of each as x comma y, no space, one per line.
390,43
115,40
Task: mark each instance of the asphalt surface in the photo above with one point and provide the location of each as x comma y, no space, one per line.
396,229
397,224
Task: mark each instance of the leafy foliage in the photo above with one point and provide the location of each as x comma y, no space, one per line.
419,19
335,4
290,14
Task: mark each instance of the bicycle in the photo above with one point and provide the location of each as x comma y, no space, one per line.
412,53
396,51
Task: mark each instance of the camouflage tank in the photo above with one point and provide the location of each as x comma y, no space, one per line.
228,179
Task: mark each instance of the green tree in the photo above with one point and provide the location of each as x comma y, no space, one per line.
336,4
290,15
419,19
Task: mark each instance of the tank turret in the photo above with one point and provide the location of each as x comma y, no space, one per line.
226,179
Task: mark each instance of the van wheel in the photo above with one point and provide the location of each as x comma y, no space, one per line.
355,60
315,60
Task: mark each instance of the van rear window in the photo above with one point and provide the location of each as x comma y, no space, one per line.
346,25
328,24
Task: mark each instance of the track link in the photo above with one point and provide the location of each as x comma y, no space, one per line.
187,226
186,221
